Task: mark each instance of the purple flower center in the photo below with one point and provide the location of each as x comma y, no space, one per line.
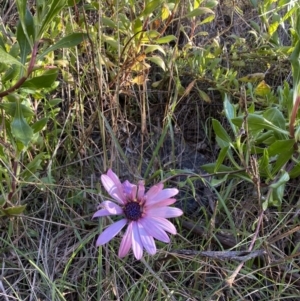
133,211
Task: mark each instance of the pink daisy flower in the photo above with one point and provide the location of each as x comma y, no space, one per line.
145,214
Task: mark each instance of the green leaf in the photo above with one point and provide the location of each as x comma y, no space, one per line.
204,96
10,109
8,59
109,22
23,37
158,61
210,167
2,44
150,7
265,205
25,48
152,48
215,182
289,13
211,3
55,8
221,157
166,39
275,116
199,12
258,123
281,147
32,167
277,196
72,2
124,23
21,6
44,81
149,36
137,26
221,132
230,112
16,210
278,189
282,159
40,124
2,201
66,42
295,172
256,27
30,26
282,180
19,127
254,3
54,102
264,165
11,73
14,50
265,138
3,67
209,19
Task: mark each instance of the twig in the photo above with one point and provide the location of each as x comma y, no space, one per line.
229,281
230,242
224,255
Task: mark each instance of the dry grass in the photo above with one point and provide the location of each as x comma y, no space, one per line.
49,252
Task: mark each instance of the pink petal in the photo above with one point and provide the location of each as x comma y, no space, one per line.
147,240
126,242
162,195
113,189
164,224
114,178
154,230
141,190
137,245
110,208
163,203
165,212
101,212
110,232
154,190
129,190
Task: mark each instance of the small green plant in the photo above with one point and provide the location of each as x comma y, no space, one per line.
28,74
265,127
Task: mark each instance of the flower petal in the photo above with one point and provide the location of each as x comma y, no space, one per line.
137,245
111,232
165,212
109,208
154,230
113,189
164,224
147,240
126,242
154,190
163,203
141,190
162,195
114,178
129,190
101,212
